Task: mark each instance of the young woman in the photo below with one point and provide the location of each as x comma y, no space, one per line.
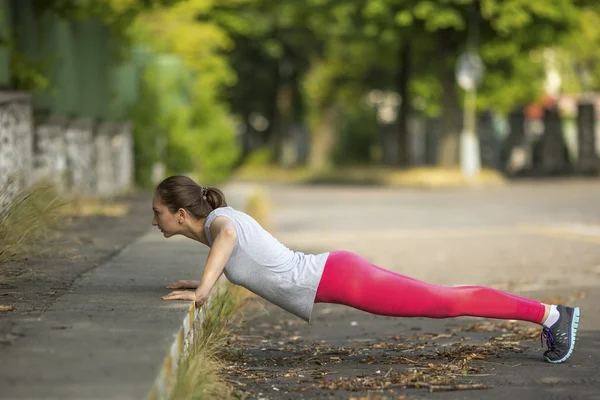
251,257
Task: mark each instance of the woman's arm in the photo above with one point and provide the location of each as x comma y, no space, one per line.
223,231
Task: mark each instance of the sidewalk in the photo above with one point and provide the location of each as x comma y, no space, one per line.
107,337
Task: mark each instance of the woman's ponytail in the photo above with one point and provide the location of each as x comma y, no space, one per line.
214,197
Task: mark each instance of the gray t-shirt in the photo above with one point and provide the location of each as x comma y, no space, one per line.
263,265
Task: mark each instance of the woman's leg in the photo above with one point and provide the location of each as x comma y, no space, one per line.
351,280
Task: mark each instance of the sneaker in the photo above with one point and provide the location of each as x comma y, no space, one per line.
560,337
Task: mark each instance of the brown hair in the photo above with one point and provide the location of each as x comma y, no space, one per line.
180,191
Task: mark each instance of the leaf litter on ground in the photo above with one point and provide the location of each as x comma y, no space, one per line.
420,361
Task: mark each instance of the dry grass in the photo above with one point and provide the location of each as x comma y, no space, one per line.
198,374
27,219
424,177
87,206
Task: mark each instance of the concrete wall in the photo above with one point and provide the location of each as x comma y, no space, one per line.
81,156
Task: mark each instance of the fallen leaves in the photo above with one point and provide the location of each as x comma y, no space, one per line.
435,369
510,332
5,308
417,379
448,361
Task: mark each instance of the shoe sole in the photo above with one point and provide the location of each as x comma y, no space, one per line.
574,326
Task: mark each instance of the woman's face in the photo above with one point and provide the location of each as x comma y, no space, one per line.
164,219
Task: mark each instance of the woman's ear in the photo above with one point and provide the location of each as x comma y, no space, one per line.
180,215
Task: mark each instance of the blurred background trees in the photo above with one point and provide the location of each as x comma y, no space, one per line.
214,85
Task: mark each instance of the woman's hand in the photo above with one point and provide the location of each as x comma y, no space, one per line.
188,295
184,285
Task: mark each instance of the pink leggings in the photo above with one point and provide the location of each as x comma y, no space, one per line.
351,280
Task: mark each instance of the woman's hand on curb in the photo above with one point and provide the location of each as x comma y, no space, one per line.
188,295
183,284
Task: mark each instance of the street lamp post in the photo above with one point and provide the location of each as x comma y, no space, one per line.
469,73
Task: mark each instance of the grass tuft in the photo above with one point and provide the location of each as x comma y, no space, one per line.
26,219
198,374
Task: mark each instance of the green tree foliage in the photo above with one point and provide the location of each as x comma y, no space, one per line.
186,74
147,131
409,46
313,62
508,35
178,116
271,46
576,56
358,133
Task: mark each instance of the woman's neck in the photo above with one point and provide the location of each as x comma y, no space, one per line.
195,231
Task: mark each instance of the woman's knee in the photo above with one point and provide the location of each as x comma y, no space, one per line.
460,299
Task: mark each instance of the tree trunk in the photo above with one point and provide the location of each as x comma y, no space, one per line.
282,112
450,120
247,139
322,140
272,113
283,122
402,80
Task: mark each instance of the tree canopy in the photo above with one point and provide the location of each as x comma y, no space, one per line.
314,63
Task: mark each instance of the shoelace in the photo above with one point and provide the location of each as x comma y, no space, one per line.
547,334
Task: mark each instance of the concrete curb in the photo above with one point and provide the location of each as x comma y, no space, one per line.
163,384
